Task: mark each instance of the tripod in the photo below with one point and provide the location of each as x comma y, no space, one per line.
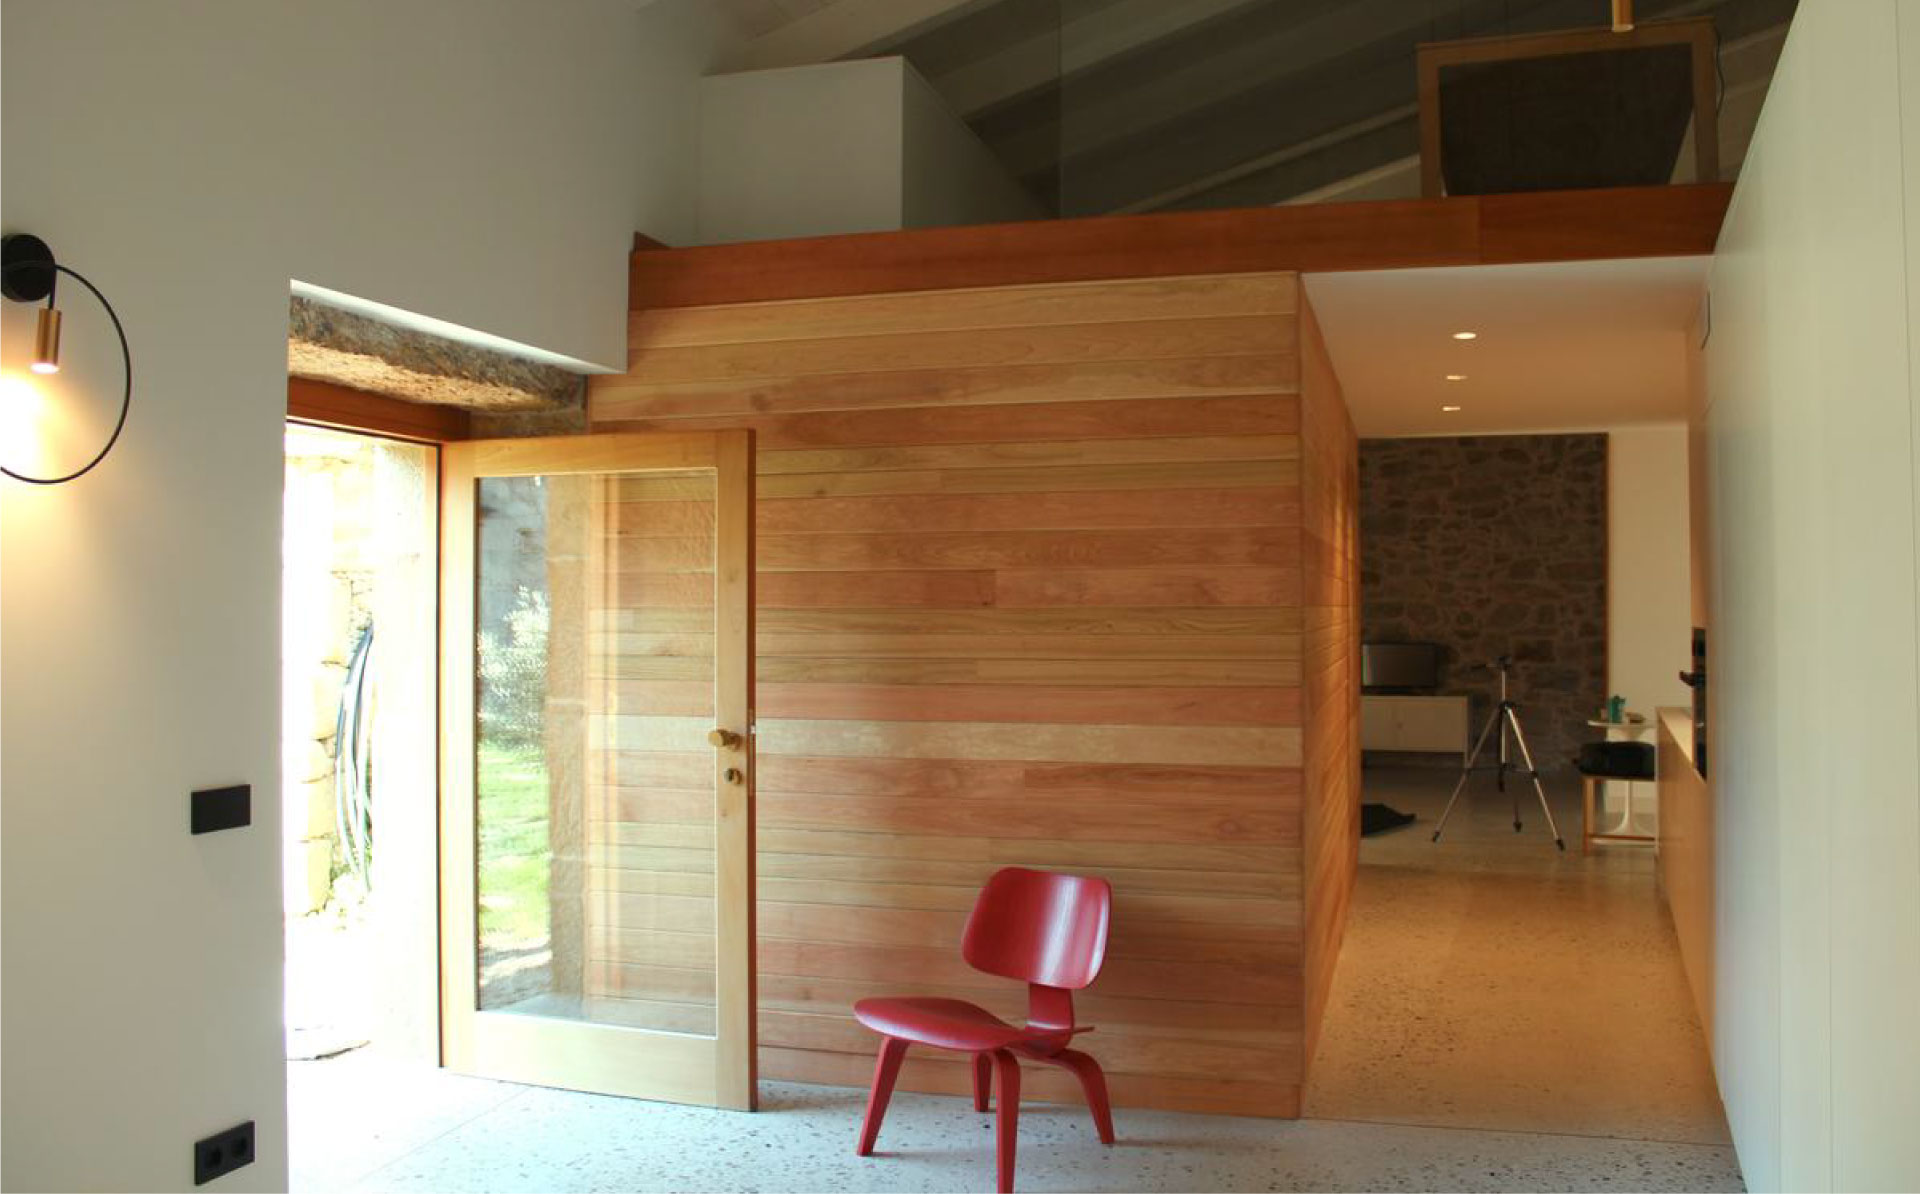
1507,718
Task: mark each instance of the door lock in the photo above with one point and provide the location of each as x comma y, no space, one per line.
733,775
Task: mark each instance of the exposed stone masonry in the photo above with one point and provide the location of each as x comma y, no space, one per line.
327,344
1490,546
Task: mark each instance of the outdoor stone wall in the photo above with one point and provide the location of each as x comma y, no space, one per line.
328,575
1490,546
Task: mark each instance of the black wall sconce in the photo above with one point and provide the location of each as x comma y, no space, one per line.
29,274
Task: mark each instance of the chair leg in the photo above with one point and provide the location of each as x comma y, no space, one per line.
1095,1084
1586,815
982,1079
887,1068
1009,1124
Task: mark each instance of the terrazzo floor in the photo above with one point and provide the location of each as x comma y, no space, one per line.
1489,981
1504,1018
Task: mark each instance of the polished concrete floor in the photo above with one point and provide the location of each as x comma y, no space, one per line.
1489,981
1504,1018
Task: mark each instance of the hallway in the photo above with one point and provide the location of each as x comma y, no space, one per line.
1490,983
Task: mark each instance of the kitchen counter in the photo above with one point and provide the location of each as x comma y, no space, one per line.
1686,854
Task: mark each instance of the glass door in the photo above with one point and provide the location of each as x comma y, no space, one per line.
597,764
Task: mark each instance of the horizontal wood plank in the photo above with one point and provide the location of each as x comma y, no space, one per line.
1146,418
625,396
979,702
1123,300
1105,344
1616,222
1209,450
1038,574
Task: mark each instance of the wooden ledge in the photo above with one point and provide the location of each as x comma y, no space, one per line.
323,404
1672,221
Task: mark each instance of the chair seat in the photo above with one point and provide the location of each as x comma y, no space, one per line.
941,1023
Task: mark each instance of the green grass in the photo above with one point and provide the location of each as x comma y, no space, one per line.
515,853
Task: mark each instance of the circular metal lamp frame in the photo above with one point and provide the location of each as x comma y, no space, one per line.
28,274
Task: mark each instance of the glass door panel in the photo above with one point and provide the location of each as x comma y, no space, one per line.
599,769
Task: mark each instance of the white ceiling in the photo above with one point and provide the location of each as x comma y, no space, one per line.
1561,347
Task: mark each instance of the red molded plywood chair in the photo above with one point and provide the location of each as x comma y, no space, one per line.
1050,932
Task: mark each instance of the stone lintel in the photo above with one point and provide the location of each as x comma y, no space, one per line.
328,344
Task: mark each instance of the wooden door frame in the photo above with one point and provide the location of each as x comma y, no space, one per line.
721,1070
323,404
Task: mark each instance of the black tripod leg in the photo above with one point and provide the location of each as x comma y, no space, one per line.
1537,789
1506,713
1466,769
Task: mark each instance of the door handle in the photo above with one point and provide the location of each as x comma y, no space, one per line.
725,739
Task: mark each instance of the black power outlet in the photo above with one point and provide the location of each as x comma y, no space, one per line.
222,1153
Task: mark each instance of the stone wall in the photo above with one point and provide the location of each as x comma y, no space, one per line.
327,579
358,532
1489,546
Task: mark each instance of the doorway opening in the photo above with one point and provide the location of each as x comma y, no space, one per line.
359,565
1527,532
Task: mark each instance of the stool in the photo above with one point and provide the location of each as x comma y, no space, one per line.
1628,762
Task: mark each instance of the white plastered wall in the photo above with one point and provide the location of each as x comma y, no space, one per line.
485,162
1811,425
839,147
1649,586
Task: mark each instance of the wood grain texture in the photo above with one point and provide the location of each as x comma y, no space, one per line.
1033,568
650,904
1330,688
324,404
1397,234
1094,379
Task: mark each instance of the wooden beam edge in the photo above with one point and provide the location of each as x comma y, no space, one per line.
325,404
1316,238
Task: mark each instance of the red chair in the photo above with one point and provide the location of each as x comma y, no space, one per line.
1050,932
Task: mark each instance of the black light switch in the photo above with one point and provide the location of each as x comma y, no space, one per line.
215,809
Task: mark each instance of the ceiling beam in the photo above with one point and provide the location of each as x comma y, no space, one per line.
1122,108
1086,42
844,29
1269,160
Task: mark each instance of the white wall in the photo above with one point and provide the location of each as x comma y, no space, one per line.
801,151
858,146
1649,581
1810,372
482,161
949,175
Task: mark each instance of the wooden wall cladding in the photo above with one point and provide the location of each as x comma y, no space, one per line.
1044,580
1330,681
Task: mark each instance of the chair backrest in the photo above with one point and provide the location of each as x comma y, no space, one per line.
1040,927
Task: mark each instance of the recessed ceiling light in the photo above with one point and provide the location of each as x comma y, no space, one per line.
1466,335
1456,377
1449,409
